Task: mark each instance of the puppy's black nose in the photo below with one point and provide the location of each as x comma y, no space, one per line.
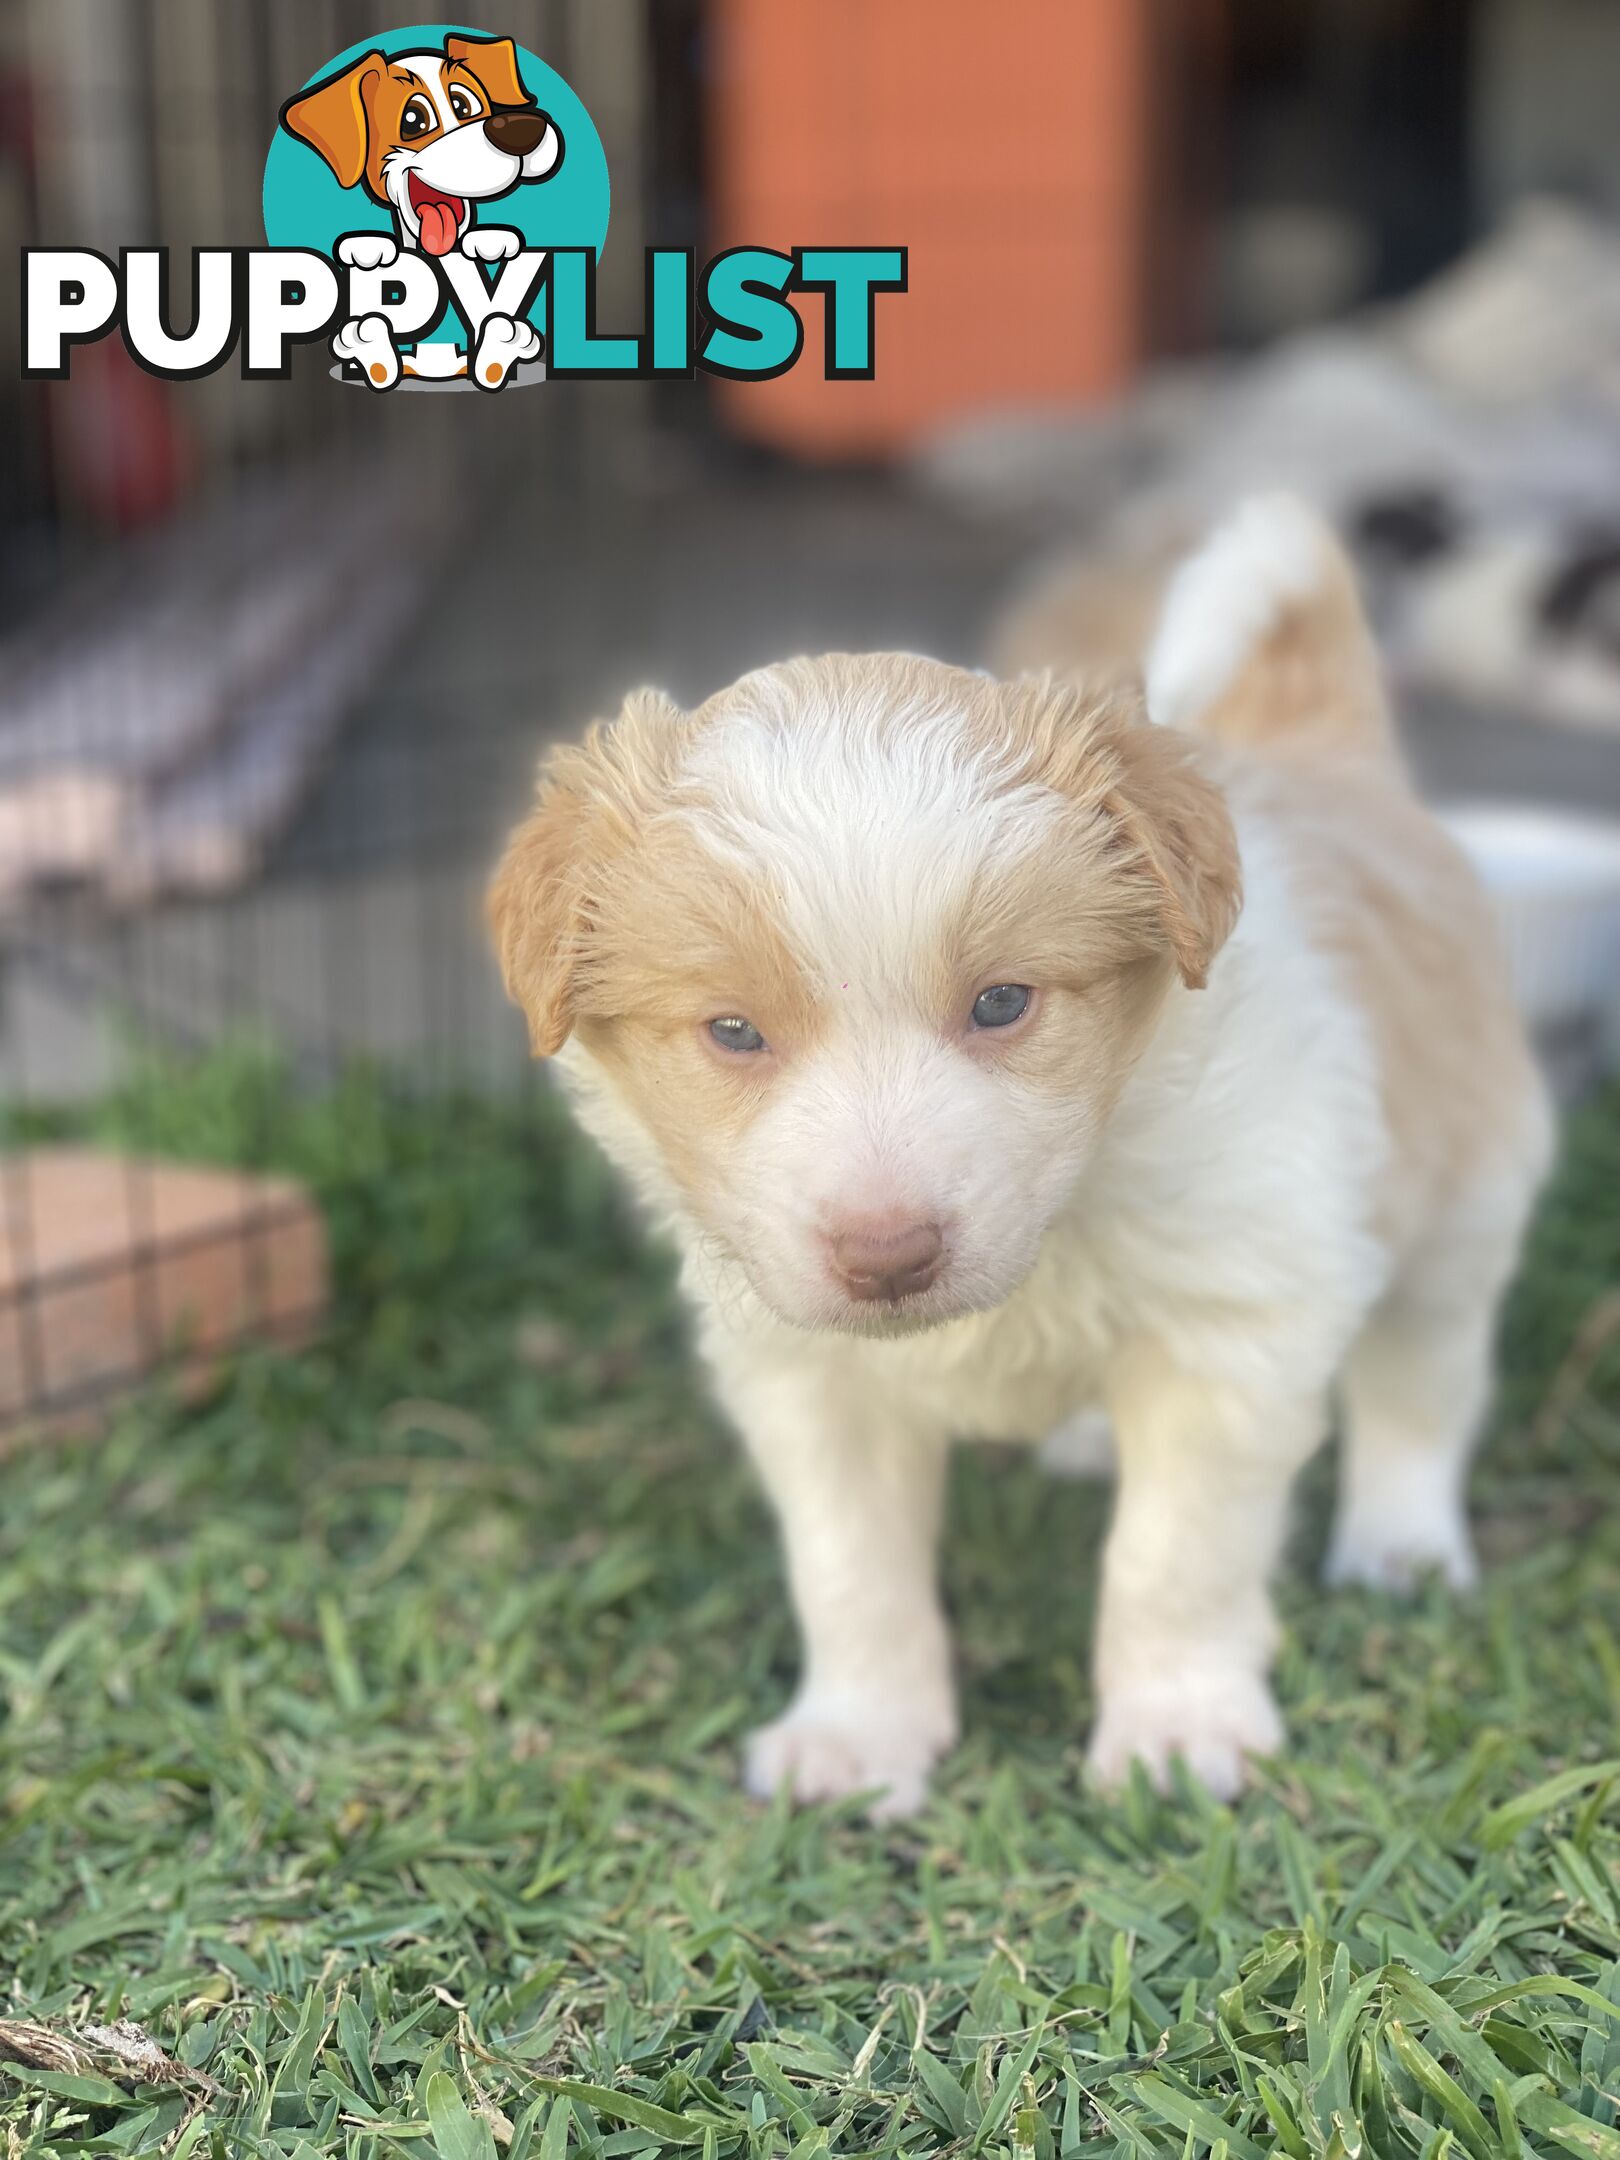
885,1257
517,133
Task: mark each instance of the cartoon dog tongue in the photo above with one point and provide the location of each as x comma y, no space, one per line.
438,216
441,222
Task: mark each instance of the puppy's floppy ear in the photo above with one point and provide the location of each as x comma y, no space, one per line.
595,798
1175,823
535,907
333,119
1169,839
494,61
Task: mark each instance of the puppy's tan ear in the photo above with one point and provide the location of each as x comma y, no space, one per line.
494,61
595,798
333,119
534,908
1169,840
1177,832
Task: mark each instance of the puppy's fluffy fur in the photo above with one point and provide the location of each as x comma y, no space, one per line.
1267,1128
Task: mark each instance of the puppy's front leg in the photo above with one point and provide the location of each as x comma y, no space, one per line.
859,1503
1185,1630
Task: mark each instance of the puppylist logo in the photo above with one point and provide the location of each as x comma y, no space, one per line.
446,146
435,201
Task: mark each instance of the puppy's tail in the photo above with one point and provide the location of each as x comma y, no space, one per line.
1262,639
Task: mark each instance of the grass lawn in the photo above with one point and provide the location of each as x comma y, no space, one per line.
368,1740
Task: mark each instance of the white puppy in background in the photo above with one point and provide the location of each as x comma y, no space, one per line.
993,1053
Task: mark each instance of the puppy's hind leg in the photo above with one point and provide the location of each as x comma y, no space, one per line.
1415,1386
1416,1381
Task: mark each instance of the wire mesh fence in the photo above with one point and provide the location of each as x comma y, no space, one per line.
273,665
276,661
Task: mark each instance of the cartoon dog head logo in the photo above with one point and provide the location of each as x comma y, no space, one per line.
430,134
437,168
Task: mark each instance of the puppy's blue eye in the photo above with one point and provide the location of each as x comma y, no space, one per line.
735,1033
1000,1005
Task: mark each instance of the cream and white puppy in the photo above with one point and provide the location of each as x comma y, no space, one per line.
994,1053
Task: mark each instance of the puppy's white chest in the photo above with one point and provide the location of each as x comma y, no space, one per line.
1014,1373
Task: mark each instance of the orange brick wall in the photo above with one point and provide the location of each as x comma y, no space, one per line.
1001,143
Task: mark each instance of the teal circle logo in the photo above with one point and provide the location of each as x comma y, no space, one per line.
428,135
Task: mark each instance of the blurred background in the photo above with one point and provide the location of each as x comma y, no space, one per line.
276,659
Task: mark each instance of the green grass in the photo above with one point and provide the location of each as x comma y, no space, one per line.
368,1739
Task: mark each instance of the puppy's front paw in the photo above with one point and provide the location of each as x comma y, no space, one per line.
1213,1721
828,1748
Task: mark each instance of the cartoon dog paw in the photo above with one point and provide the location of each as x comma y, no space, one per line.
368,250
491,243
369,343
502,343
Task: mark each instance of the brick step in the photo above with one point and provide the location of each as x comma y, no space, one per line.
113,1267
